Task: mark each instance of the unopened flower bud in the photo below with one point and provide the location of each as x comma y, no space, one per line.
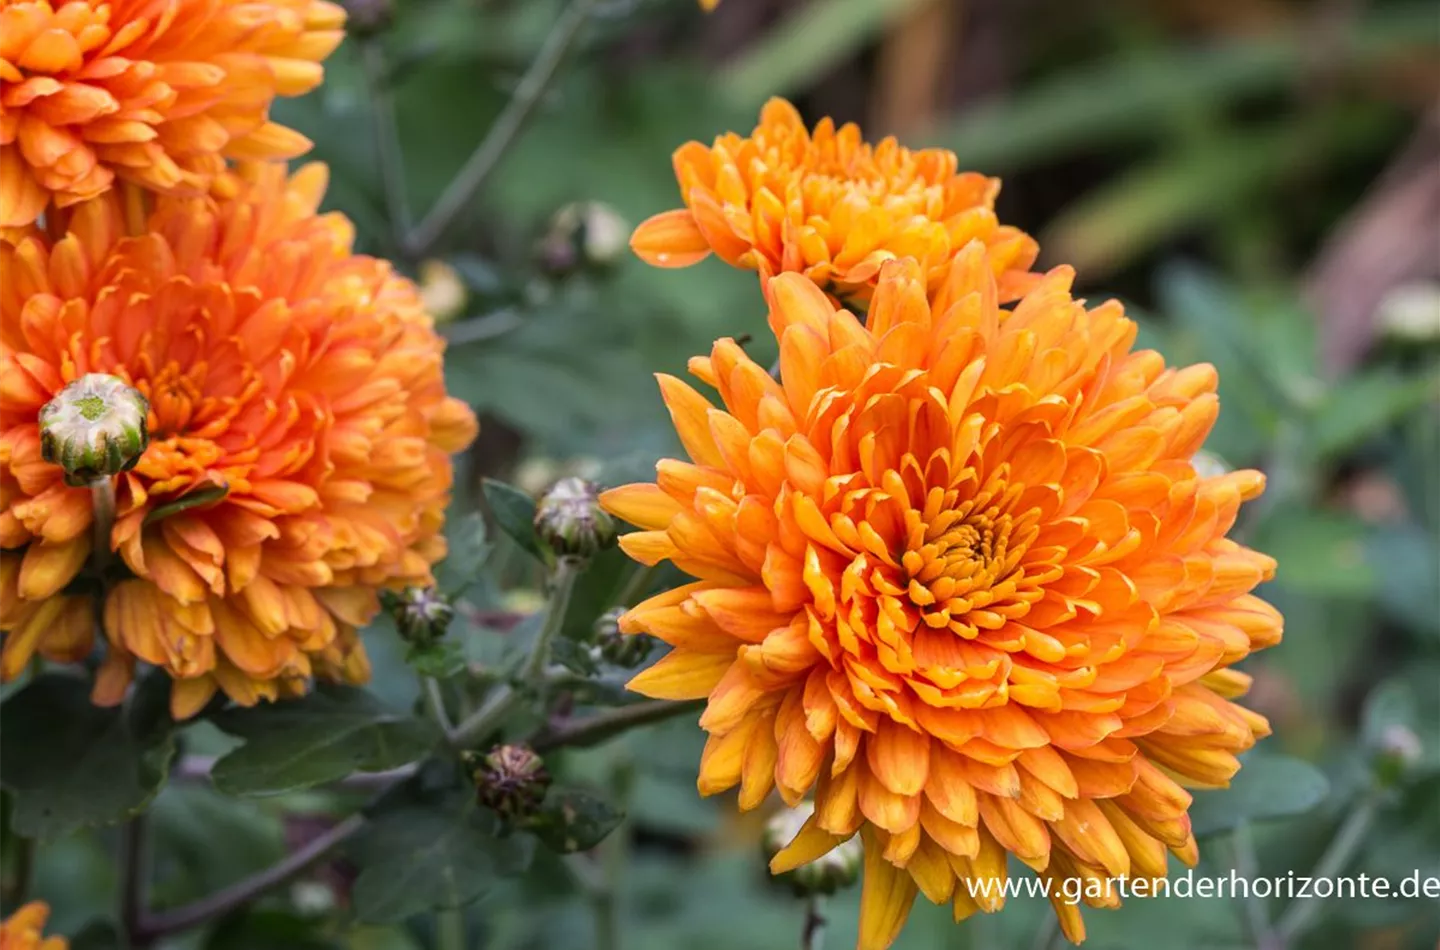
421,614
570,520
442,290
1396,753
94,428
625,650
840,867
588,232
511,780
1411,313
367,17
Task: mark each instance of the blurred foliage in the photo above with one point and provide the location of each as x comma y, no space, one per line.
1191,158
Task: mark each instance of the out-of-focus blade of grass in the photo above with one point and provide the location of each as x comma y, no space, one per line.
1120,221
805,45
1126,100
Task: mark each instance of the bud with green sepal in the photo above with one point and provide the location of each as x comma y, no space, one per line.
1397,751
619,649
94,428
421,614
511,780
570,521
585,233
836,869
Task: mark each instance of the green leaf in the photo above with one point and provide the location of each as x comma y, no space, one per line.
1267,786
71,764
1408,592
423,857
98,935
574,820
807,45
1123,98
327,735
468,548
1365,405
515,515
438,660
199,498
1320,553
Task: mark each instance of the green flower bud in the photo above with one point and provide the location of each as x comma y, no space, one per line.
421,614
570,520
625,650
1396,752
511,780
838,868
94,428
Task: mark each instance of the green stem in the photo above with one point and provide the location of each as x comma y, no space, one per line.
450,929
102,504
596,729
1342,848
244,891
135,880
17,883
567,572
504,697
635,585
1247,866
497,140
812,935
435,702
387,137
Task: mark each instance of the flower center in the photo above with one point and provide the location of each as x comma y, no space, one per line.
959,560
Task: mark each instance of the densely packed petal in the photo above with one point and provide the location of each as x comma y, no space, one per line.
155,92
956,577
831,206
300,440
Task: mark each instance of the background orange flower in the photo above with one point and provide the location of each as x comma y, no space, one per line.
297,416
957,576
156,92
22,930
829,205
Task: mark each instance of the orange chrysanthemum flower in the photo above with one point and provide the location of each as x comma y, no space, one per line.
24,930
830,206
296,403
157,92
957,576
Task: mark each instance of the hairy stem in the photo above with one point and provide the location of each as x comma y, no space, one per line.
497,140
435,702
504,697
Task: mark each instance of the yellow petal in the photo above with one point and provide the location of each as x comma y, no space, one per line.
643,505
886,895
810,843
682,675
670,239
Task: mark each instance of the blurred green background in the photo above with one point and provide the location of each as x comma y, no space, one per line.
1259,181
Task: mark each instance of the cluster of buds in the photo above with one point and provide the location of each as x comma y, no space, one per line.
583,234
94,428
511,780
570,521
421,614
624,650
838,868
